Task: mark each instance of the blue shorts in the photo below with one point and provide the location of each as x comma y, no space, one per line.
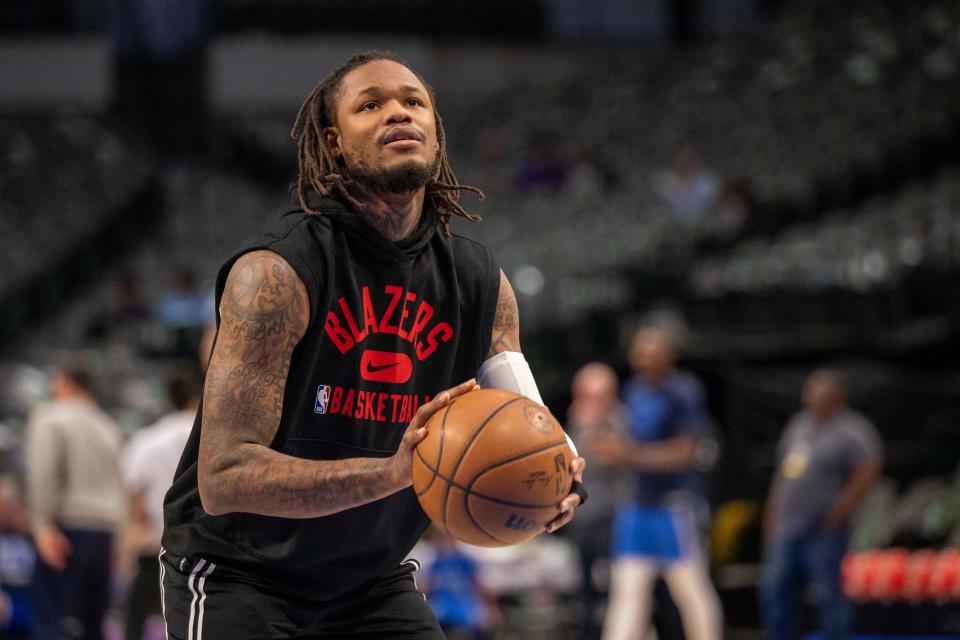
665,534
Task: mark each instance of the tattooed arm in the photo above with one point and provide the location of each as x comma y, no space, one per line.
264,312
506,320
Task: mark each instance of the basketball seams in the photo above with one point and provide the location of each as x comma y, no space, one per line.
480,527
463,452
466,489
443,426
436,472
470,492
476,476
500,463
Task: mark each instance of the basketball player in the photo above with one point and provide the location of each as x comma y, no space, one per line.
339,336
655,533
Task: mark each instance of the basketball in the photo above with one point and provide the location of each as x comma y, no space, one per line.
493,468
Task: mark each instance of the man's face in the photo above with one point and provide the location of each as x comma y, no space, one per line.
59,386
595,390
820,397
385,130
651,355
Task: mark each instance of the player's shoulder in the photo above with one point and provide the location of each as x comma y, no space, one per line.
463,243
297,223
471,256
43,412
799,424
857,424
297,238
686,383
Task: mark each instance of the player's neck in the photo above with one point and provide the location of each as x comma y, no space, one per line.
394,215
825,415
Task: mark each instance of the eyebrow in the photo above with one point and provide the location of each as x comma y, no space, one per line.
376,88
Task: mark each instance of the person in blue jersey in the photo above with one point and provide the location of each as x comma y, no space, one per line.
463,609
656,533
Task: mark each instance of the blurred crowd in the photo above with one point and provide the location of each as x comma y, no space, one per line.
81,513
81,497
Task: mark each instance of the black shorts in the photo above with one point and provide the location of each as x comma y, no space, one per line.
208,601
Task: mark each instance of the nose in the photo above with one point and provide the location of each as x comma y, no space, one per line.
397,112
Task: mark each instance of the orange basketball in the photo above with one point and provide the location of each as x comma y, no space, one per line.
493,468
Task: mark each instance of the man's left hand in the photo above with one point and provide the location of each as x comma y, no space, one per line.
569,504
610,450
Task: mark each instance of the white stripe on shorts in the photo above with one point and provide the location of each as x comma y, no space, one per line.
416,567
196,596
163,599
203,596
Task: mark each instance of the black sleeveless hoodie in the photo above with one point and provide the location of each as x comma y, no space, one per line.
391,325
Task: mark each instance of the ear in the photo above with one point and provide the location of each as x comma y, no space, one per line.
331,135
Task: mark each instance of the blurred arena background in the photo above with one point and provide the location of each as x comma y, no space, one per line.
779,179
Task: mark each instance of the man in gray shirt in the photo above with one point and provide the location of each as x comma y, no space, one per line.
829,457
75,504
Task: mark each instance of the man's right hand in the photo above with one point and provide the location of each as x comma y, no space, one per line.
401,463
52,546
611,450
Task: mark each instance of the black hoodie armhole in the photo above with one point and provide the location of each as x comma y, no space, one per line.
490,297
288,247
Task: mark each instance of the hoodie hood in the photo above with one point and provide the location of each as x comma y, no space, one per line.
371,239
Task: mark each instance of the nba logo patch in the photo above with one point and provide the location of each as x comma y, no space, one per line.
323,398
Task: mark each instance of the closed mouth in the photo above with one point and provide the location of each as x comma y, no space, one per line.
400,134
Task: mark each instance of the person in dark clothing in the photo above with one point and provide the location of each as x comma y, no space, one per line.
75,504
828,459
340,334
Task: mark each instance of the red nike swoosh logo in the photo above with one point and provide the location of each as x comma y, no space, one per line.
385,366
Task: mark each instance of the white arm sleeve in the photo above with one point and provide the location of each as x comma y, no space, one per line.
509,370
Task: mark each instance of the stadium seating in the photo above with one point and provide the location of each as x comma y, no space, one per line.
63,176
859,250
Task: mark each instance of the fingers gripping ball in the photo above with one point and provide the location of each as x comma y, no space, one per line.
493,468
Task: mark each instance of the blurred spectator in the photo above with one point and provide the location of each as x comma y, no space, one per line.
128,302
184,304
148,464
463,608
186,311
689,189
127,312
829,458
657,533
588,175
595,412
733,209
542,169
16,550
75,503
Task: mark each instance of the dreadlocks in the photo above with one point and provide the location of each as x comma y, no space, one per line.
325,174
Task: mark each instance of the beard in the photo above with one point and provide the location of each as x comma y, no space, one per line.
403,178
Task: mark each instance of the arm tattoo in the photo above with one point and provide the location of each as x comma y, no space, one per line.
264,314
506,321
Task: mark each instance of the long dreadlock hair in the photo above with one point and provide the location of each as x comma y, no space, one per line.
326,174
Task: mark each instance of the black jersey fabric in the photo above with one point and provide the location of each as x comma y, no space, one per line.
391,325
